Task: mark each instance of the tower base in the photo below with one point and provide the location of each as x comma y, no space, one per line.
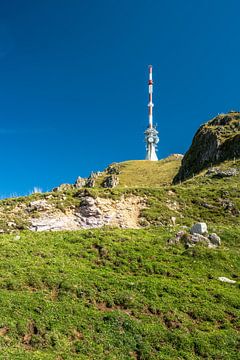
151,153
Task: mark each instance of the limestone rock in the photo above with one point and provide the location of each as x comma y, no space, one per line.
63,187
90,182
199,228
111,181
217,173
38,205
113,169
214,239
197,238
226,280
176,240
80,183
92,213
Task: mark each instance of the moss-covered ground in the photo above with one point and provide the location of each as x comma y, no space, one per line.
118,294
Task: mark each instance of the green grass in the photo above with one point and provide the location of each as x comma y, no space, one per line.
117,294
125,294
143,173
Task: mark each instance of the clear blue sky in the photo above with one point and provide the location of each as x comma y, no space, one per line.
73,81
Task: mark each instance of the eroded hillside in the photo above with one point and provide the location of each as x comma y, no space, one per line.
212,196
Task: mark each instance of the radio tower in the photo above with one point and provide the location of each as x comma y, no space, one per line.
151,134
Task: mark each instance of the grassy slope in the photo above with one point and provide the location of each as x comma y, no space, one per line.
142,173
124,294
117,294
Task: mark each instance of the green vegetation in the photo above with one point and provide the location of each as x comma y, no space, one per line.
117,294
124,294
143,173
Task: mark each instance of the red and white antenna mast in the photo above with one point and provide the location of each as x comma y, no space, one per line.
150,91
151,133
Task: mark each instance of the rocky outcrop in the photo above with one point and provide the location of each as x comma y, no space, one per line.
216,141
92,213
63,188
218,173
110,181
80,183
113,169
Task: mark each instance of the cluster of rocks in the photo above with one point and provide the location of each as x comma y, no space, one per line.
110,181
198,235
218,173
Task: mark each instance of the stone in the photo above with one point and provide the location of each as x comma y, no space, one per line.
214,239
63,187
113,169
217,173
199,228
90,182
11,224
173,219
87,201
226,280
178,237
80,183
198,238
110,181
39,205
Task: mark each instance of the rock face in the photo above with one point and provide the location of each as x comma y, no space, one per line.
110,181
92,213
216,141
80,183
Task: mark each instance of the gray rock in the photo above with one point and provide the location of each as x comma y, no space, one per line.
214,239
178,237
38,205
198,238
87,201
226,280
90,182
63,187
110,181
113,169
199,228
217,173
80,182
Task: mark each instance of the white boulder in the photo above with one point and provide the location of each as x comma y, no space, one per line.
199,228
